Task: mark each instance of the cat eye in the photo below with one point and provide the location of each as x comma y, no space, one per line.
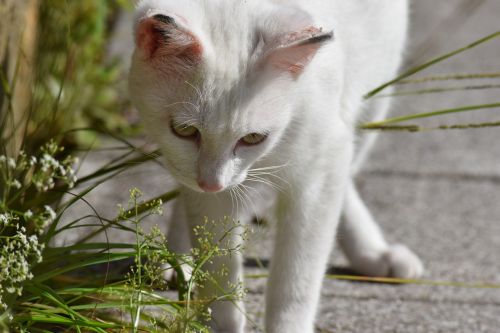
253,139
184,131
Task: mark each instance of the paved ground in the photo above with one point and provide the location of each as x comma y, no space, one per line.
439,192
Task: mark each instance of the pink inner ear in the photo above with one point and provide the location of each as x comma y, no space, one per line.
295,50
159,40
147,37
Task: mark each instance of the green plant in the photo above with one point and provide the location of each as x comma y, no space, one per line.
45,288
75,85
22,224
404,78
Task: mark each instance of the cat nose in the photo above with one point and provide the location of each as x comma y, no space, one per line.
207,187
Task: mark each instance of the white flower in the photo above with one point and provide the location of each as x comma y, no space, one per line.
16,184
11,162
50,184
39,185
33,239
62,170
50,211
4,218
28,214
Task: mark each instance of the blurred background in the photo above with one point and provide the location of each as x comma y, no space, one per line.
58,66
63,71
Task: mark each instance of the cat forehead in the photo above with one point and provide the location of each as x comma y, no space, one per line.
232,33
228,30
233,113
217,22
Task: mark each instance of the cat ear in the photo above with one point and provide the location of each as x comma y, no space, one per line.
292,52
164,37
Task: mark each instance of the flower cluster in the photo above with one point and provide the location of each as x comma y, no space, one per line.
25,213
50,169
156,267
42,171
17,252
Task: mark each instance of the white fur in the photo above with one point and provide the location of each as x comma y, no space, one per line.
306,163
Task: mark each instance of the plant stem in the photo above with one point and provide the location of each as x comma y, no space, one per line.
431,63
138,272
439,90
450,77
378,124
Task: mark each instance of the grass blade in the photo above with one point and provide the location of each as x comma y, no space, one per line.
432,62
439,90
451,77
359,278
378,124
416,128
94,259
50,318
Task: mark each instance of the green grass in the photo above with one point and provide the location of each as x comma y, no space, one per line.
430,63
59,296
407,78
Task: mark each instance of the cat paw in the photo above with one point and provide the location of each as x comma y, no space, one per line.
402,263
229,323
397,261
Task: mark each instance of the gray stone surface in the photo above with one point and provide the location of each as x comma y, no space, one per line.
437,191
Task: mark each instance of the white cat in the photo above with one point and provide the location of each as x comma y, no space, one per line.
263,97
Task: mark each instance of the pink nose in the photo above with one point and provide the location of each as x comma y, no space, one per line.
209,187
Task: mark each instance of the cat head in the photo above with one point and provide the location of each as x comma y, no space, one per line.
215,82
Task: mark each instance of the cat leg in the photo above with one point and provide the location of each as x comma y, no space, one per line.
178,238
305,232
227,270
363,243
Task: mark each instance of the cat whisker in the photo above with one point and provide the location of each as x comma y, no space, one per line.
189,122
247,189
262,175
270,170
273,168
249,204
283,180
267,175
239,198
194,106
232,201
265,181
196,89
180,103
